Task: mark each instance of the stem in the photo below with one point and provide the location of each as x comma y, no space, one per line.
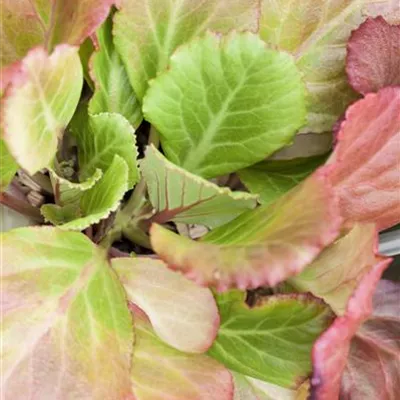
154,137
21,206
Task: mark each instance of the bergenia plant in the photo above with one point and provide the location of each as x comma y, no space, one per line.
202,184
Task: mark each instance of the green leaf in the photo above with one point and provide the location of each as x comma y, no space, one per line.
8,167
67,192
113,91
65,322
160,372
273,340
180,196
271,179
39,104
96,203
225,103
247,388
147,32
99,138
337,271
86,50
30,23
316,33
261,247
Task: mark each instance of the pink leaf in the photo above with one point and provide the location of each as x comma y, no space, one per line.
373,56
366,172
183,314
373,368
160,372
332,348
29,23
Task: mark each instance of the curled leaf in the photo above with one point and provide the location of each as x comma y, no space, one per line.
183,314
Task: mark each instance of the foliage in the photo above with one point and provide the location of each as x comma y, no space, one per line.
205,180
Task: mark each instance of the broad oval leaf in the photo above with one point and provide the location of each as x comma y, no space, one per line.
99,138
29,23
183,314
95,203
225,103
160,372
373,368
113,91
66,328
264,246
337,271
260,342
316,33
331,350
373,56
365,174
271,179
147,32
179,196
39,103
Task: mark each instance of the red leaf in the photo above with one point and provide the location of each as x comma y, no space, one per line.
373,368
366,172
332,348
373,56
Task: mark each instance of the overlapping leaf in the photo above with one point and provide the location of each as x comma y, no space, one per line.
99,138
260,342
271,179
70,193
39,103
113,91
373,56
161,372
183,314
66,329
337,271
28,23
366,158
148,32
93,204
331,350
247,388
180,196
225,103
316,32
261,247
373,367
